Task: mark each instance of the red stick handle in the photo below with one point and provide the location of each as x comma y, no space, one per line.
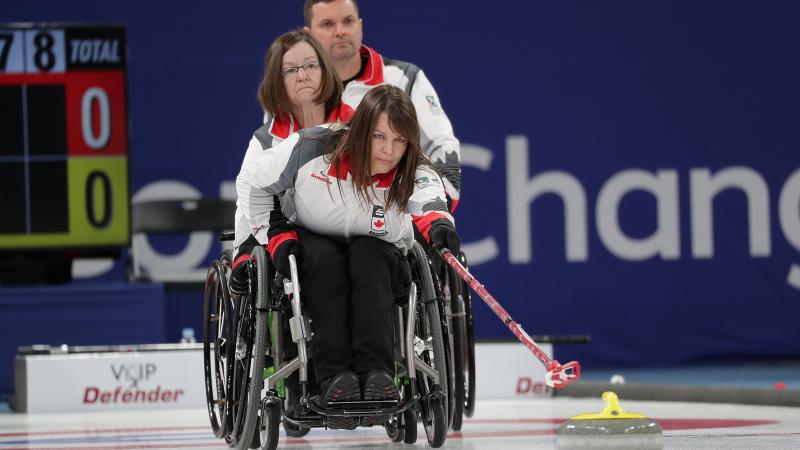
558,375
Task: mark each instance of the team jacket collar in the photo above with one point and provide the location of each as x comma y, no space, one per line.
383,180
373,73
283,126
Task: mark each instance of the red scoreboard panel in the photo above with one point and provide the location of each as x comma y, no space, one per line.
64,137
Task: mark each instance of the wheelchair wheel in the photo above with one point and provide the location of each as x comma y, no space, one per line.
410,426
428,331
217,349
268,426
251,345
435,421
469,373
459,334
394,429
295,431
403,428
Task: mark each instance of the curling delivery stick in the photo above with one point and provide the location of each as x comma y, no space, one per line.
558,375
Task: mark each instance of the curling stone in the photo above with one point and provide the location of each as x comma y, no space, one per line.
610,428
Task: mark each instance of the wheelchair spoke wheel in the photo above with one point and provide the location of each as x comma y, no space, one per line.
250,353
429,331
217,354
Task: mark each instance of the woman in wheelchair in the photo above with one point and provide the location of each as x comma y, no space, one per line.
344,200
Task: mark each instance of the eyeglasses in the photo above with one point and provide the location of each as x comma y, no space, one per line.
311,66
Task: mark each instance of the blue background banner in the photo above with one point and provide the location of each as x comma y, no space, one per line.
631,169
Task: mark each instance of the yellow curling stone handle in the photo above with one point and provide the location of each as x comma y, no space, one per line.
611,411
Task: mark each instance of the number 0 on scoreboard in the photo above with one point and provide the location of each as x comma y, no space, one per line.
64,140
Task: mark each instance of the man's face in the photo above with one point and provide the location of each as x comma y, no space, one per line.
337,27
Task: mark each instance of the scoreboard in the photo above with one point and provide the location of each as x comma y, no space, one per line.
64,181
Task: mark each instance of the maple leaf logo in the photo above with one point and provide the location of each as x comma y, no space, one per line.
378,223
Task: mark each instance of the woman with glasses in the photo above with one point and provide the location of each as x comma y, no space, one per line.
299,89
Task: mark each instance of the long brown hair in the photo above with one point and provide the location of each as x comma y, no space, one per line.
356,142
272,91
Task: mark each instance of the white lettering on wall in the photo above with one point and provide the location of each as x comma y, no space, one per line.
665,241
704,187
789,209
522,190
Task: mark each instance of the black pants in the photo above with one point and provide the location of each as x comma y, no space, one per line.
349,290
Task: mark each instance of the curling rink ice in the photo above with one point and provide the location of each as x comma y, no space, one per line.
507,424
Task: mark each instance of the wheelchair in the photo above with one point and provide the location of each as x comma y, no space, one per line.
257,357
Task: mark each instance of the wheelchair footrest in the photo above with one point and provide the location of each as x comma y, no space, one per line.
361,408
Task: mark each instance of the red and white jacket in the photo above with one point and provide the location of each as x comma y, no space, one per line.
273,132
438,140
297,175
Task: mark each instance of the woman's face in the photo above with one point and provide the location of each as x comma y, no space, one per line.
387,147
301,74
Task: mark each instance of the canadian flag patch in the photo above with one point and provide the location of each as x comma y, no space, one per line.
378,227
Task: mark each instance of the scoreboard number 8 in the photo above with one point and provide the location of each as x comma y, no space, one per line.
43,57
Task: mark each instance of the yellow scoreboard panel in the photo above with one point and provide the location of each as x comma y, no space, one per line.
64,141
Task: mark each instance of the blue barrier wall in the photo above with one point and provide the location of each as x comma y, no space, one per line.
632,169
96,314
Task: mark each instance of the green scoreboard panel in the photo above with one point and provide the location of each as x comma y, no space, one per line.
63,137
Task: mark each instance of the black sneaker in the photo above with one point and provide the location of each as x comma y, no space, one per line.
342,387
379,385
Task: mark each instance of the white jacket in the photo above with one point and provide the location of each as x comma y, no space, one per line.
437,138
274,131
297,175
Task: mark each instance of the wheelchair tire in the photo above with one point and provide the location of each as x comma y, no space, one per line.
295,431
217,362
252,334
255,441
428,311
469,397
394,429
403,428
435,423
459,347
269,422
410,426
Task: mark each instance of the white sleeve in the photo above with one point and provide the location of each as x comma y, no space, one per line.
428,197
262,176
438,140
